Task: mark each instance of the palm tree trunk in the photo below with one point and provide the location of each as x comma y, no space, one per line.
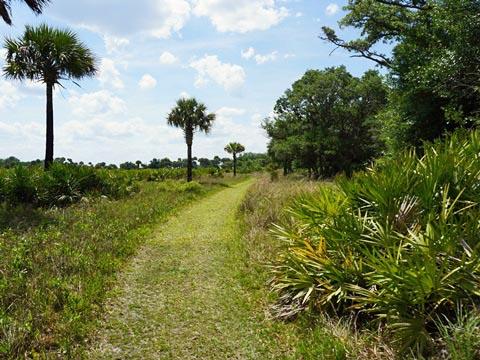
189,162
49,132
234,164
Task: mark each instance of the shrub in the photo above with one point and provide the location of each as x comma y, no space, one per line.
192,187
21,185
397,243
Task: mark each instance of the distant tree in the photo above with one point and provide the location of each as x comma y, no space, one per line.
204,162
190,116
100,165
128,165
5,8
166,163
234,148
217,162
10,162
48,55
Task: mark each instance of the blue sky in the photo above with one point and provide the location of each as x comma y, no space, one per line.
236,56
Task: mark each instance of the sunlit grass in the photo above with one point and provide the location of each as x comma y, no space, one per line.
56,264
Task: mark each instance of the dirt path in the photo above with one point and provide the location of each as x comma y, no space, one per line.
182,297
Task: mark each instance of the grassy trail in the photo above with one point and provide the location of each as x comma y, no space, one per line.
184,295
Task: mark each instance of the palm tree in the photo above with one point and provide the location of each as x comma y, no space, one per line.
48,55
234,148
5,8
190,116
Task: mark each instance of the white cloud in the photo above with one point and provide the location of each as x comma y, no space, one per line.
259,59
231,77
249,53
157,18
101,104
184,95
228,111
240,15
114,44
109,75
168,58
147,82
332,9
262,59
9,95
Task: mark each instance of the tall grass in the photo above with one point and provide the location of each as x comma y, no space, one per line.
57,265
397,245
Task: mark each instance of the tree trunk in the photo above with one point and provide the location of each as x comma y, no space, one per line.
49,131
234,164
189,161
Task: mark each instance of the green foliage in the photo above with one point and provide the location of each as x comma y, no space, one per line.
326,122
64,184
397,243
433,65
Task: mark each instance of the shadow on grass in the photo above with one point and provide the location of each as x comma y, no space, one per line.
23,217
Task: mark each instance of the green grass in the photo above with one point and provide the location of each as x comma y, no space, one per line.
57,264
190,294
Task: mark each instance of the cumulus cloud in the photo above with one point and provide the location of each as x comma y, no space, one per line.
157,18
114,44
100,104
332,9
229,111
9,95
109,75
147,82
240,15
262,59
249,53
184,95
259,59
168,58
231,77
99,115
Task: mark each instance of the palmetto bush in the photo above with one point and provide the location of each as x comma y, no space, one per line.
63,184
397,244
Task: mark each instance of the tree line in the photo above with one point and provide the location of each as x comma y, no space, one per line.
245,162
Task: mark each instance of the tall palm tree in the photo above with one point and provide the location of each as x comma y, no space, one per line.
5,8
48,55
234,148
190,116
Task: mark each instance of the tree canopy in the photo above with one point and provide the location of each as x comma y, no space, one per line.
434,65
326,122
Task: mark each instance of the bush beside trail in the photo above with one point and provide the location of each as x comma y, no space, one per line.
396,245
